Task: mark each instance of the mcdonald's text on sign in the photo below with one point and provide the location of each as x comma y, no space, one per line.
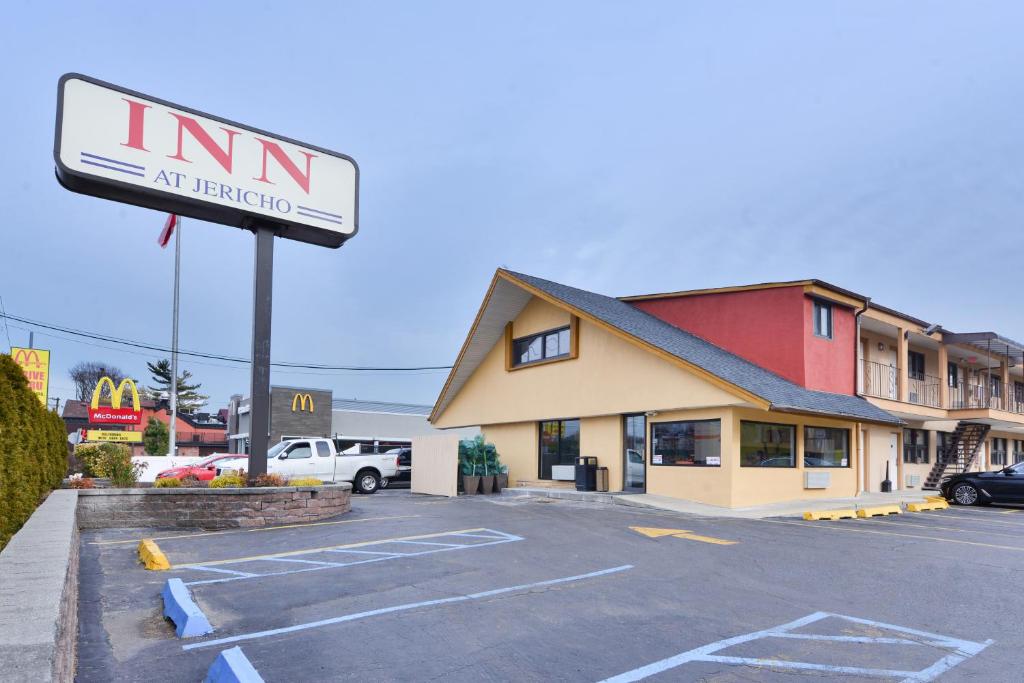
115,413
35,363
122,145
302,402
111,436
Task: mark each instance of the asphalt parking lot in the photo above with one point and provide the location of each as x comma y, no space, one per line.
413,588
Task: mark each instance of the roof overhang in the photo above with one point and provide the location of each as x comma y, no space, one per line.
506,297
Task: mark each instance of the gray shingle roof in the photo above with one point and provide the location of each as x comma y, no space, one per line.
781,393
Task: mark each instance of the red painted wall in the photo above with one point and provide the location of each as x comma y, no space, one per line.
829,363
773,328
765,326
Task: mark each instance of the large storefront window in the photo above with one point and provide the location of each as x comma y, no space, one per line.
693,443
826,447
767,445
559,444
915,446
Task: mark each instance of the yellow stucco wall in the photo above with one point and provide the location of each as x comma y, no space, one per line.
610,377
517,446
758,485
711,485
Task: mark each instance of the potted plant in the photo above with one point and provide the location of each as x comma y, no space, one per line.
468,466
501,478
487,457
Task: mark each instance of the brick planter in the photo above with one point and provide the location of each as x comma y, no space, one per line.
211,508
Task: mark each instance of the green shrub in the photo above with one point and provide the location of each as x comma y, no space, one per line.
227,481
167,483
111,460
33,450
305,481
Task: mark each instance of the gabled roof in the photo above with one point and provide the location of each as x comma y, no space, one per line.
755,383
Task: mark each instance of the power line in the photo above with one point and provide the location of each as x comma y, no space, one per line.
6,329
213,356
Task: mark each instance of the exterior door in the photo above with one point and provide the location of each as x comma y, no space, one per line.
893,460
634,462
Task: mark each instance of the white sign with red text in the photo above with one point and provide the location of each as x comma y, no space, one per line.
133,148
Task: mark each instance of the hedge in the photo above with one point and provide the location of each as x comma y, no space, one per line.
33,450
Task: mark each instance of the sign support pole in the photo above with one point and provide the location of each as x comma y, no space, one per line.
172,439
259,407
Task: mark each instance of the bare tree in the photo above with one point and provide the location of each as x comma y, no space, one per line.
86,375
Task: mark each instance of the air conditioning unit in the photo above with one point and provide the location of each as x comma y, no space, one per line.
817,480
563,472
912,480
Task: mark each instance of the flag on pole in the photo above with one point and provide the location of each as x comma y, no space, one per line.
168,232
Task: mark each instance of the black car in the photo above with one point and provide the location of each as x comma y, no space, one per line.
982,488
404,475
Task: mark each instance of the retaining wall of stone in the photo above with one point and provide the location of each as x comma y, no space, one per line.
39,595
207,508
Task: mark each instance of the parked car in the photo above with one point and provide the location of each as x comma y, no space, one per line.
404,475
982,488
203,470
235,464
318,459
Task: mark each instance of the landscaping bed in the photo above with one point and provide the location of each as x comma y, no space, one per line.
211,508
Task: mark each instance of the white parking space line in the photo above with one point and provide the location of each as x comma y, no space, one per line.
406,607
218,570
494,538
292,559
961,650
936,527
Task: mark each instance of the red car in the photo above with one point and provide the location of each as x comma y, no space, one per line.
203,470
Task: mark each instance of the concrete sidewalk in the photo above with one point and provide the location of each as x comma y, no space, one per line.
785,509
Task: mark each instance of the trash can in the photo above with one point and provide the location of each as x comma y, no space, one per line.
602,479
586,473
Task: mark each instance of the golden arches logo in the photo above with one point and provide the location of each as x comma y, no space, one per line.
299,402
26,356
115,394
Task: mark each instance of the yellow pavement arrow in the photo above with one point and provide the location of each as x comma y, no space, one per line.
653,532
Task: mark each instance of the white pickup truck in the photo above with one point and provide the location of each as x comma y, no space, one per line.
319,459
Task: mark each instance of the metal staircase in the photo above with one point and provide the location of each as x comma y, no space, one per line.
959,455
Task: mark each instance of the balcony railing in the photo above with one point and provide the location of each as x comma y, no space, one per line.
880,381
924,391
973,395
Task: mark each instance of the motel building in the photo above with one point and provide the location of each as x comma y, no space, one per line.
732,397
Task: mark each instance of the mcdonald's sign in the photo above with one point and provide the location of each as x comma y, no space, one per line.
300,401
115,414
35,363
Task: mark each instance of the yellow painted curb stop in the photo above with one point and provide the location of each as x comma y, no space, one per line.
879,511
935,499
927,505
151,556
814,516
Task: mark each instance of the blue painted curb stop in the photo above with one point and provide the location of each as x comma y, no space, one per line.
189,620
232,666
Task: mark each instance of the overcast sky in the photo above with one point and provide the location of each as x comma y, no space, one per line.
620,147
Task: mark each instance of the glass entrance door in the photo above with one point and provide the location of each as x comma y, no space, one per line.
634,464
